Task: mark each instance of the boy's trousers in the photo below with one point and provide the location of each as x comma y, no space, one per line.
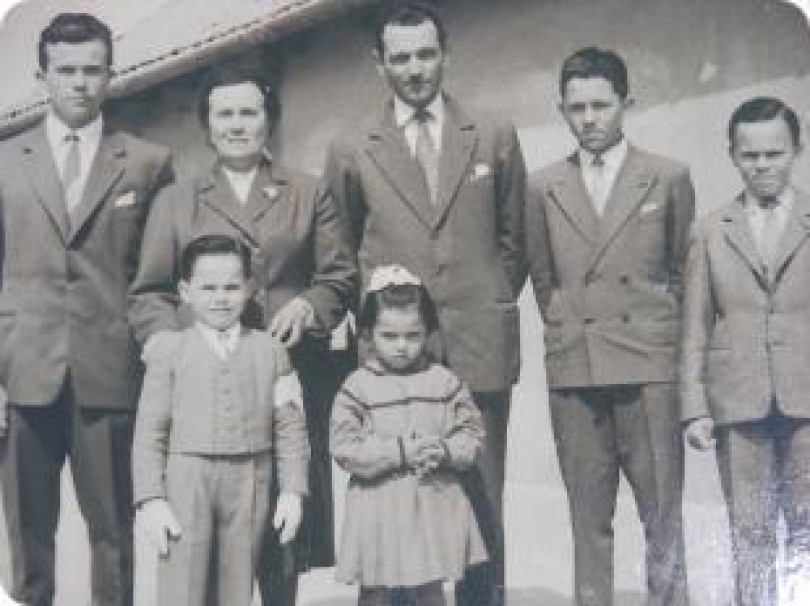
223,505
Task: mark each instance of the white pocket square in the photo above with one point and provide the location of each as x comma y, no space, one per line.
649,207
480,171
127,199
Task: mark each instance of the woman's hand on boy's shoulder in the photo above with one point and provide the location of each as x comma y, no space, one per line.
287,518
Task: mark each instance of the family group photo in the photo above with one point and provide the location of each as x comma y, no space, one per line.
404,303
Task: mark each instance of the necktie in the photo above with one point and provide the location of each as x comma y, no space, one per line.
222,342
71,171
599,189
771,233
426,153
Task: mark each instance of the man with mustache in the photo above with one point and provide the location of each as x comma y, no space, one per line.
427,186
606,233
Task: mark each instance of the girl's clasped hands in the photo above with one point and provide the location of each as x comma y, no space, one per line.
423,454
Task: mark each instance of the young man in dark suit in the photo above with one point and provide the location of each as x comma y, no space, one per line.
606,234
73,198
425,185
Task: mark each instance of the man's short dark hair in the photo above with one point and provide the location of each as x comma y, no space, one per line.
73,28
213,244
762,109
407,13
230,75
592,62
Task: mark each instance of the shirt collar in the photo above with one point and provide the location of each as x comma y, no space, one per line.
212,336
235,176
89,134
786,199
404,113
613,157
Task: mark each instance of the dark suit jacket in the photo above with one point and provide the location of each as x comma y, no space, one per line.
64,283
746,336
468,248
609,287
299,245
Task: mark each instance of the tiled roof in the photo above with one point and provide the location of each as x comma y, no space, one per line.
169,38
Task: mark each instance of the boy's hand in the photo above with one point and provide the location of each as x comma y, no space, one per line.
288,515
156,521
700,433
3,412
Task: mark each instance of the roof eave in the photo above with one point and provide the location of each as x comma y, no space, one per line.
153,71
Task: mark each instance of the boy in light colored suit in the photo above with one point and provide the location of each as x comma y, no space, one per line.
746,346
220,411
606,233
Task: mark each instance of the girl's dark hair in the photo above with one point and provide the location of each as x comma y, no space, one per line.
400,296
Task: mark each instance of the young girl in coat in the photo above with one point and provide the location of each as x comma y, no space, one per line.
404,427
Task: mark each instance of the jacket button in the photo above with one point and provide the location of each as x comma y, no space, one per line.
624,279
588,321
626,318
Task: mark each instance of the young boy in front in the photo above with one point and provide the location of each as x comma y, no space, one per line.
220,410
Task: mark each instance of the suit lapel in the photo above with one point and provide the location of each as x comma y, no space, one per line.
388,149
459,140
569,193
796,233
629,191
737,230
40,169
269,188
107,168
215,192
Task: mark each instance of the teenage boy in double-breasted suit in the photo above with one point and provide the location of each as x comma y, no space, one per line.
606,233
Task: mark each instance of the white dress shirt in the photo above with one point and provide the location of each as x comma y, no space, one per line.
405,120
241,182
89,141
758,216
599,180
222,342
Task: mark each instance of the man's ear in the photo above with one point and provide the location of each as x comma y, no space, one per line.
379,62
183,288
251,286
628,102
